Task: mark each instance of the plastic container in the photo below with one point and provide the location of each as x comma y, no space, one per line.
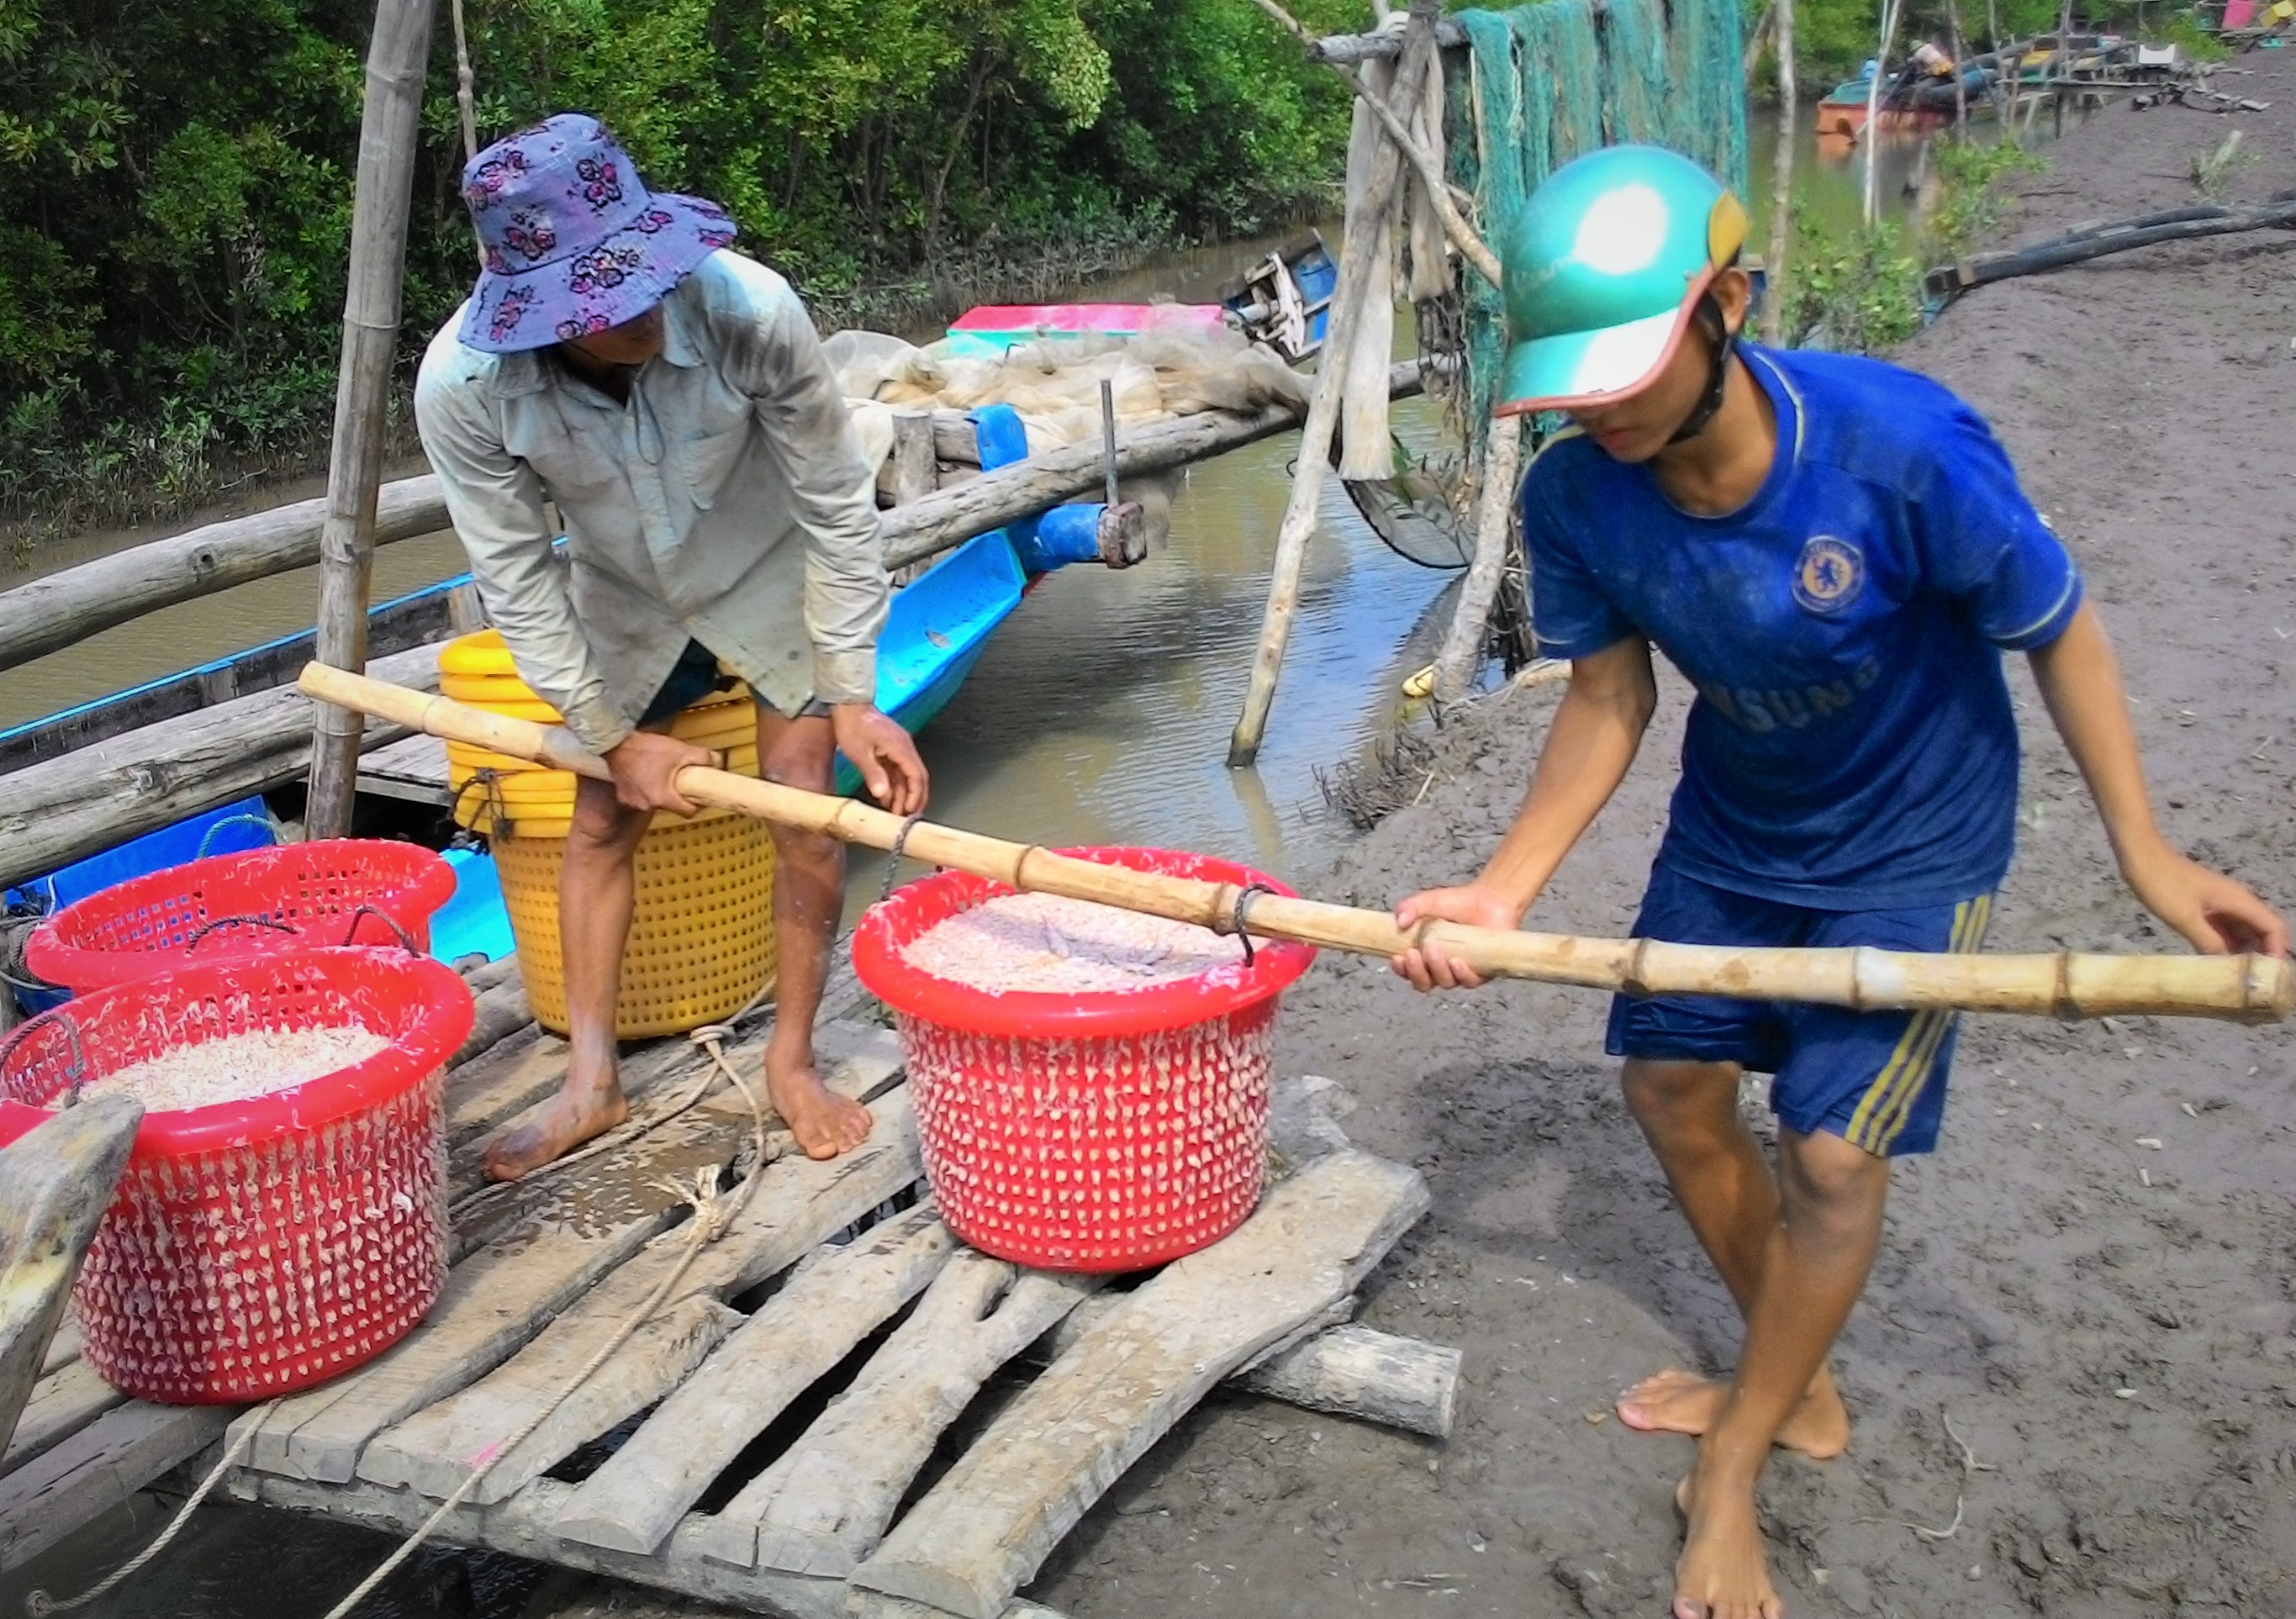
701,939
262,1246
240,907
1100,1131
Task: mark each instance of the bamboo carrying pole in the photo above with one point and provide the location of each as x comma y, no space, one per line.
2242,988
389,128
1357,246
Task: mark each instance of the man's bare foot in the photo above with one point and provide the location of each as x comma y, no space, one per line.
824,1122
1724,1572
580,1110
1677,1401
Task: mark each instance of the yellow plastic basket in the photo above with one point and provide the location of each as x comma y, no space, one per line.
701,939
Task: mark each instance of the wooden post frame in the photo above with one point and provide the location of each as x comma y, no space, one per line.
389,130
2247,988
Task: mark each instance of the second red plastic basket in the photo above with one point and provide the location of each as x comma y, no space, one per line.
1100,1132
237,907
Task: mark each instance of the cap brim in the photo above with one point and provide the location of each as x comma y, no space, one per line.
1575,368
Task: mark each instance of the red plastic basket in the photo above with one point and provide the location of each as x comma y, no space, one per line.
259,1247
239,907
1103,1131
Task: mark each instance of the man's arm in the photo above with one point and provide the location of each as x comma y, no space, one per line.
2081,682
832,497
1596,731
495,501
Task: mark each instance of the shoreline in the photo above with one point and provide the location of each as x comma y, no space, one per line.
2045,1259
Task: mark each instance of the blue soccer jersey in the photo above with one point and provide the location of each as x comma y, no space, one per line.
1852,747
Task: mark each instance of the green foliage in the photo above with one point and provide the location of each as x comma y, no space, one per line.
177,181
1967,206
1854,290
1859,290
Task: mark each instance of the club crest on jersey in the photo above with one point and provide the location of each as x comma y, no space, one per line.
1828,575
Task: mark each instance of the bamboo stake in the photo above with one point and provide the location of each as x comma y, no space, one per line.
1889,9
1357,246
1960,73
387,133
1462,235
465,87
2240,988
1782,165
1462,646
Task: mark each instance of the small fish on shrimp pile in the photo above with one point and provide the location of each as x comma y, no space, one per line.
234,1067
1044,944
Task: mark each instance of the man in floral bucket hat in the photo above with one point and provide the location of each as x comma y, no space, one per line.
669,397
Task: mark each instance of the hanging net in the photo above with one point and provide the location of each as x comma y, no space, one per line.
1539,84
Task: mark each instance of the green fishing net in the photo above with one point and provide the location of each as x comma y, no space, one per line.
1539,85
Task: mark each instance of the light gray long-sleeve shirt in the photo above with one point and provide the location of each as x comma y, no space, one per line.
726,503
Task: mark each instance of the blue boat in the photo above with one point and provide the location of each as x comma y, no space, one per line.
936,630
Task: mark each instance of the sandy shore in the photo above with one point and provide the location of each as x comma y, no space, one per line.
2120,1358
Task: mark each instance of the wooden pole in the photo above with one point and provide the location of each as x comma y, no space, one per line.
1781,167
388,130
1463,647
466,101
1361,240
1462,235
2242,988
1890,8
1960,78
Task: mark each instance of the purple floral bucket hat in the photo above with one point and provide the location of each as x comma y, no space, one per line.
574,242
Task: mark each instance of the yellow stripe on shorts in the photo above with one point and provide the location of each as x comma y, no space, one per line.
1888,1103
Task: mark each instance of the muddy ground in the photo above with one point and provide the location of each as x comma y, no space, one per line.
2120,1358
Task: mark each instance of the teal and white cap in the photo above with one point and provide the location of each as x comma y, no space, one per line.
1604,265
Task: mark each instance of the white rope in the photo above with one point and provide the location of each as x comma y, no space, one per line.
623,1134
39,1604
713,1215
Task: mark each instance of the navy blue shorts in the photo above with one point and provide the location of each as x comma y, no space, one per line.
1875,1079
694,676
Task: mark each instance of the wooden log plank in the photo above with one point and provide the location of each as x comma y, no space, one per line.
55,1182
494,1302
953,516
634,1501
63,810
74,603
824,1506
856,1059
799,1203
64,1401
1361,1372
96,1470
559,1237
501,1083
63,1349
395,626
496,1014
987,1525
521,1527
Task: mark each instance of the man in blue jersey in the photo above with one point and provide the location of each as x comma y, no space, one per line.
1835,552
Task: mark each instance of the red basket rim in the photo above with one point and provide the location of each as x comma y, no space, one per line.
885,928
415,1053
426,883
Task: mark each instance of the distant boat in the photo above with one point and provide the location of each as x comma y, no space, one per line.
1929,104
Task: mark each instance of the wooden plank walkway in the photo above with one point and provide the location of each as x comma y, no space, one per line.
412,768
834,1308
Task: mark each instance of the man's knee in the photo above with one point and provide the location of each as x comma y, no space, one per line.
1660,1092
1823,1177
602,825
